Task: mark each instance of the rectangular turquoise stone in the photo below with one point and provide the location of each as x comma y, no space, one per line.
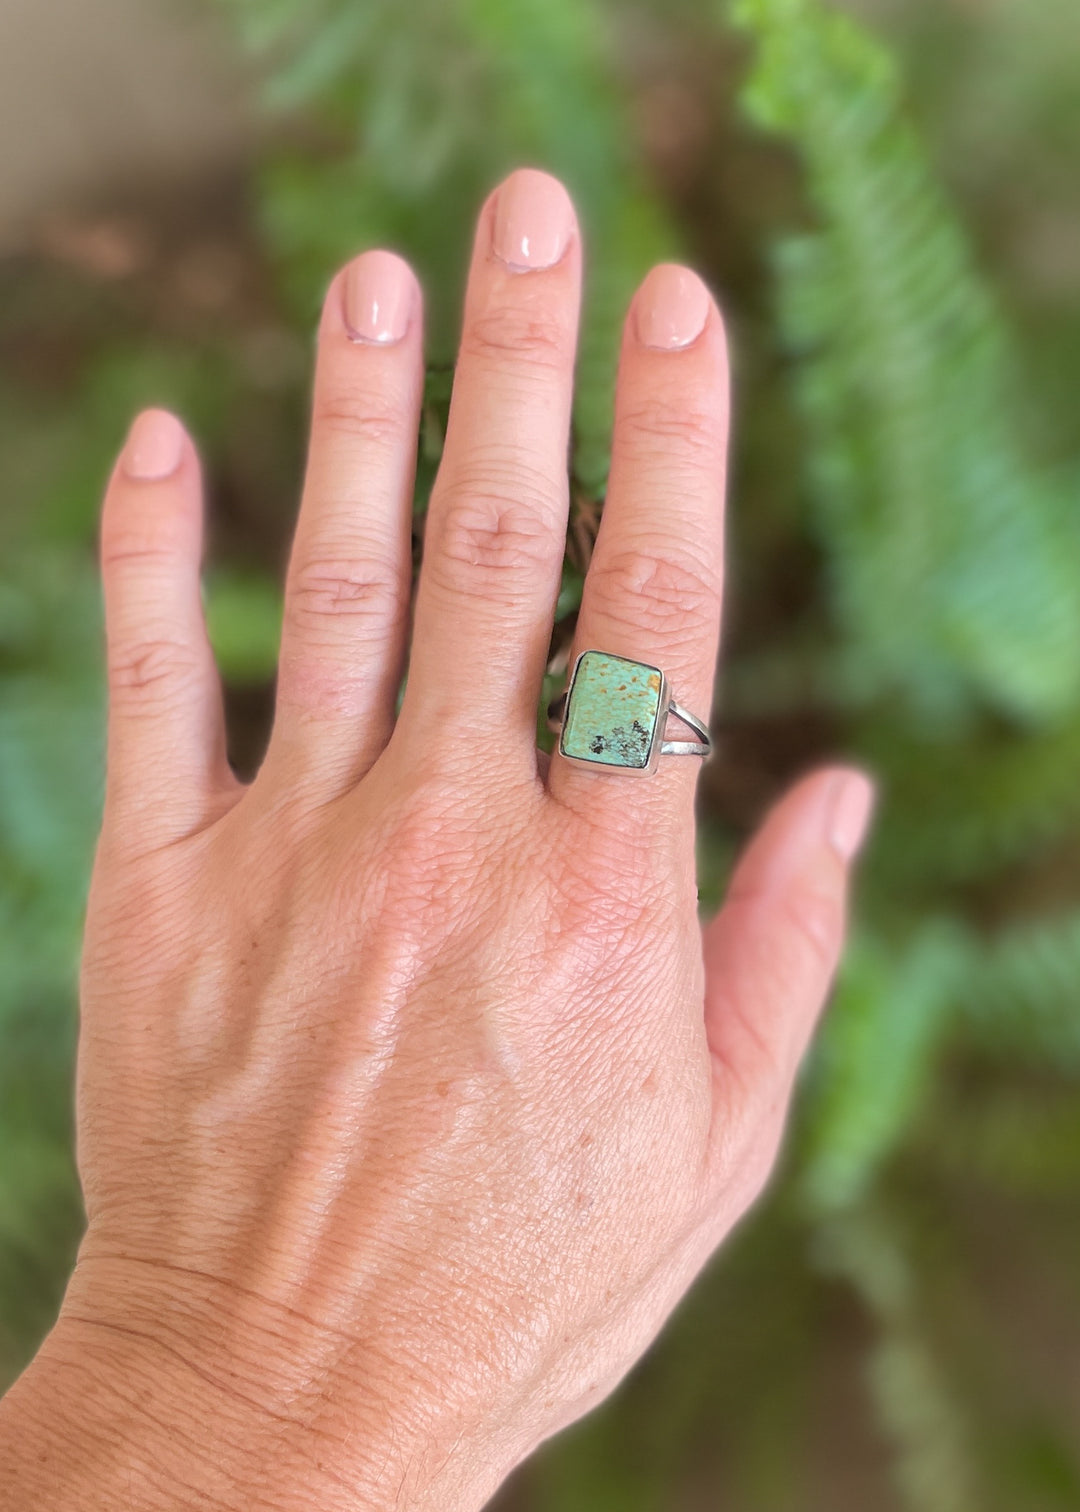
612,711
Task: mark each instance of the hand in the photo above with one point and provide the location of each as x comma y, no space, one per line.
409,1100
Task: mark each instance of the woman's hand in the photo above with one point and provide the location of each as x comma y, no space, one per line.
409,1101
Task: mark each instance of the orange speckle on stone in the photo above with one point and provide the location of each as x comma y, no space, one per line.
654,682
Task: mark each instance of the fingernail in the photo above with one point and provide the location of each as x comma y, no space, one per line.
534,221
671,308
154,446
851,804
379,295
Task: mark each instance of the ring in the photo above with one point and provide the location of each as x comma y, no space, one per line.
614,713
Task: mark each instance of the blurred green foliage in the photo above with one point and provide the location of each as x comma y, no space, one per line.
906,589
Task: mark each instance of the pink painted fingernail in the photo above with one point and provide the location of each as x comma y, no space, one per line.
851,804
154,446
534,221
380,292
671,308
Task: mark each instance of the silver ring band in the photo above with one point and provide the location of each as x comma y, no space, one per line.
614,715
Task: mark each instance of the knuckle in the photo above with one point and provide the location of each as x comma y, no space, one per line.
496,527
428,850
373,419
152,672
515,331
654,592
322,593
604,890
814,921
756,1066
137,554
157,543
664,422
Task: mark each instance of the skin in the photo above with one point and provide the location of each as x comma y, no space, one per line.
412,1096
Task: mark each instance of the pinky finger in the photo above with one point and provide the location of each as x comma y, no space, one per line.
167,767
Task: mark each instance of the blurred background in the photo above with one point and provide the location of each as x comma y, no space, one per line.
884,194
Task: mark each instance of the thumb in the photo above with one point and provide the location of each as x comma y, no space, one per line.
772,950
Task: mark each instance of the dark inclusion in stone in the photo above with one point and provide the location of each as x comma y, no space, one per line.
630,746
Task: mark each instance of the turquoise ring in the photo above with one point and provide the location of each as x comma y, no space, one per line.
614,714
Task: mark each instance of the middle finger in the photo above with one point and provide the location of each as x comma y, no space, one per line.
496,527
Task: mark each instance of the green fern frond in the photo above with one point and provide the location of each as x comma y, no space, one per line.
955,567
1017,1140
415,154
916,1405
879,1052
1020,999
51,777
956,811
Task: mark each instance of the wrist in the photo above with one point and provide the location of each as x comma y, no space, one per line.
119,1410
92,1424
